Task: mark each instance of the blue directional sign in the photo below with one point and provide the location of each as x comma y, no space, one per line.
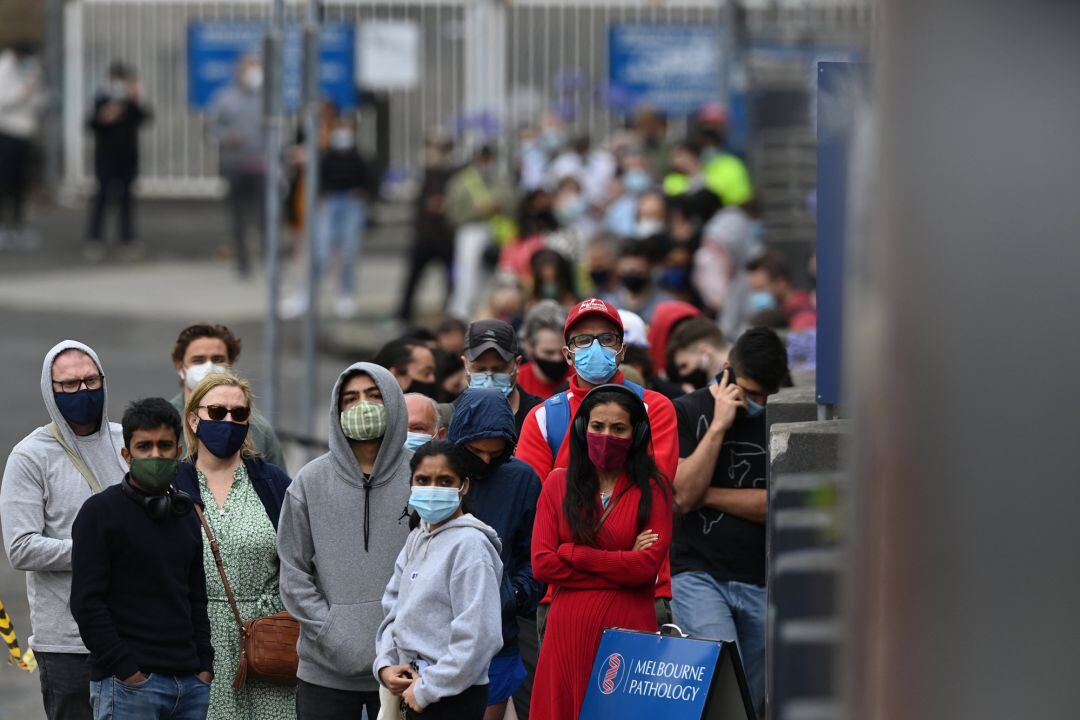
215,49
674,68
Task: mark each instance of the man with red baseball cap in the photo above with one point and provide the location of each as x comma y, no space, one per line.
594,349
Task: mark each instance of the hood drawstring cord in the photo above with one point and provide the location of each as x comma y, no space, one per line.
367,513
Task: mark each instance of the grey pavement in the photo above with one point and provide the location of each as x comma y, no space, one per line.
131,312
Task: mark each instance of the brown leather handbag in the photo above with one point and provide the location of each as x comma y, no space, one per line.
268,643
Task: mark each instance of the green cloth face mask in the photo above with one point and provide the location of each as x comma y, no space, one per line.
154,474
364,421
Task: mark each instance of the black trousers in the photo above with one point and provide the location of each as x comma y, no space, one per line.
14,160
65,685
529,647
247,197
118,186
424,253
469,705
315,702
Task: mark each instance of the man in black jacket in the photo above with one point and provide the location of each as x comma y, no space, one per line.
117,116
138,589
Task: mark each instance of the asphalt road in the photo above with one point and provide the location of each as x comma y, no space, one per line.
130,315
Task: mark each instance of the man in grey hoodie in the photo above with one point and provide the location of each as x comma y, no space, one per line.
48,476
344,521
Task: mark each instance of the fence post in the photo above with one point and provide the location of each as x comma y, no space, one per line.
311,195
274,118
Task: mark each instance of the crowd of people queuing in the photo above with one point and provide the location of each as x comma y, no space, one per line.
579,443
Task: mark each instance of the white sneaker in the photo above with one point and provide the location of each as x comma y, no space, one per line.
293,306
345,307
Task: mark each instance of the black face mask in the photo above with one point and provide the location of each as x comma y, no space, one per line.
600,278
553,369
424,388
698,378
635,283
477,469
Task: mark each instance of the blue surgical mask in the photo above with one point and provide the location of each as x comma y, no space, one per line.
762,300
499,381
434,504
636,181
753,409
595,364
415,440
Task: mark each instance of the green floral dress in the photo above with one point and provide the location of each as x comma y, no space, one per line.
249,550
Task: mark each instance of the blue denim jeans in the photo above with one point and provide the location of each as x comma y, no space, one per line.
160,697
712,610
342,218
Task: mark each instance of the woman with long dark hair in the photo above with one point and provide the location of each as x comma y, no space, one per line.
602,531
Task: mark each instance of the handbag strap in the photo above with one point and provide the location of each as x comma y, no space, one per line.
95,486
216,552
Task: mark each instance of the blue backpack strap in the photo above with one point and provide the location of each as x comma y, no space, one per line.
557,410
640,391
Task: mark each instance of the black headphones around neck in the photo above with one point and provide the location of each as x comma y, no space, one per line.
173,502
642,432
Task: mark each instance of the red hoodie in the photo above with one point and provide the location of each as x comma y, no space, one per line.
533,446
666,316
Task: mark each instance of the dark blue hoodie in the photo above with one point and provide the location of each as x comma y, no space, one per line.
505,500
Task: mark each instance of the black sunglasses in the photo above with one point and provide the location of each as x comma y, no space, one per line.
239,413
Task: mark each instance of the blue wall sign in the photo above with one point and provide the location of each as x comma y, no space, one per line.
215,48
675,68
646,676
839,87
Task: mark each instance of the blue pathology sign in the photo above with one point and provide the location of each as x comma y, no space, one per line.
643,676
674,68
215,48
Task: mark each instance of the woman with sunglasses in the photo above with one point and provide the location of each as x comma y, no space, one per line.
602,531
241,496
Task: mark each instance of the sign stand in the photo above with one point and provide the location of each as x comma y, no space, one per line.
645,676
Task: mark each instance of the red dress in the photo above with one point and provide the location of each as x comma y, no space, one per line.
594,588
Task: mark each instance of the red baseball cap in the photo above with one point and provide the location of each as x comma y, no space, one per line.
592,306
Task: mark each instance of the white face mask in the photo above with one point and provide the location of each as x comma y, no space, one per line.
118,90
342,139
194,375
253,78
647,227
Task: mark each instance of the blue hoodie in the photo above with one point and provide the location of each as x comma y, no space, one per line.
505,500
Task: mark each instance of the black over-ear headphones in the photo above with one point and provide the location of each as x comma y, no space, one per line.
642,432
173,502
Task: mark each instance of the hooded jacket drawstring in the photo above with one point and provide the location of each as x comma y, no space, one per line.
367,513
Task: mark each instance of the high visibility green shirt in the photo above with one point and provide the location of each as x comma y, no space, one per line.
726,176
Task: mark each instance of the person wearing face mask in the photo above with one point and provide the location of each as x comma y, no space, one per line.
204,348
637,291
620,217
442,602
425,423
603,529
48,476
595,348
138,591
541,334
346,182
493,360
696,353
241,496
503,495
412,363
718,555
115,120
344,522
235,124
652,215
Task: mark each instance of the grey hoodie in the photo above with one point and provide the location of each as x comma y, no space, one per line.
41,494
330,582
443,606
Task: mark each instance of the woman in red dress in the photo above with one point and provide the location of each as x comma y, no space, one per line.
602,530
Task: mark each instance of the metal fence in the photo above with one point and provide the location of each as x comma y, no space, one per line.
508,60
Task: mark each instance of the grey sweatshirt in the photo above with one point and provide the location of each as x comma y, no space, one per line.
330,582
443,606
235,123
41,494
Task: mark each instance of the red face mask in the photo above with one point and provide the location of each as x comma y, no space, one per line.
607,452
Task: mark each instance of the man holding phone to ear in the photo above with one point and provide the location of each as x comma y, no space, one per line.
718,551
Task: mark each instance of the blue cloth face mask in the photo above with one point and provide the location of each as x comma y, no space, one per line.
434,504
222,438
82,407
753,409
415,440
498,381
595,364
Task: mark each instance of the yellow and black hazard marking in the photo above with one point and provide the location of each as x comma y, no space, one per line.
18,658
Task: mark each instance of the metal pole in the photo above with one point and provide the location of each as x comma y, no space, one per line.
54,74
311,195
274,114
